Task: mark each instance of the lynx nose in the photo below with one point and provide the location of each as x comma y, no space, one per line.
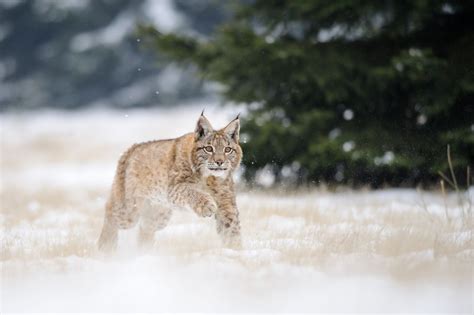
219,162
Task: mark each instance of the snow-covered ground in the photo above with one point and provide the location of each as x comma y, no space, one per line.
314,250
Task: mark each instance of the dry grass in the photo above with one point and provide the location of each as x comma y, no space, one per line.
298,229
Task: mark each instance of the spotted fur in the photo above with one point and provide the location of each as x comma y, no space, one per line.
193,171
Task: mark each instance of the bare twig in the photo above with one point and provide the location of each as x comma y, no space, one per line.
469,200
468,176
446,178
443,192
455,185
451,169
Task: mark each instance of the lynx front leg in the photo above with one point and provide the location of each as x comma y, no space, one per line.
228,227
186,195
227,218
227,215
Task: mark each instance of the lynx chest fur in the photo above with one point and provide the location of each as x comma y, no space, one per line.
193,171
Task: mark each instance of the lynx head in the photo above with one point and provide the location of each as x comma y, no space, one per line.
216,152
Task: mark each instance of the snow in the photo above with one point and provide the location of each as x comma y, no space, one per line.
150,283
163,15
303,251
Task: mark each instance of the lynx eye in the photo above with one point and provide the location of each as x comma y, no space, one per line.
208,148
227,149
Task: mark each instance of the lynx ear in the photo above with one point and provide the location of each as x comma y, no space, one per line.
203,127
233,129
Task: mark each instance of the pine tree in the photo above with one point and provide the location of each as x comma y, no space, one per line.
349,91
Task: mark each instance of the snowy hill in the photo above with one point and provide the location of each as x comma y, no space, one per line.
313,250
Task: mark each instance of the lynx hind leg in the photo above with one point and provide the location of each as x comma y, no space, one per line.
108,237
117,216
153,217
126,216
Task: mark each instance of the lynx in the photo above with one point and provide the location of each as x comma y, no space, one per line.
193,171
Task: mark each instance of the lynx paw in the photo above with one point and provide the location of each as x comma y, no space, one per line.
206,207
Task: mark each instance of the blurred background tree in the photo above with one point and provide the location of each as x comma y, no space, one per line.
357,92
80,53
340,91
